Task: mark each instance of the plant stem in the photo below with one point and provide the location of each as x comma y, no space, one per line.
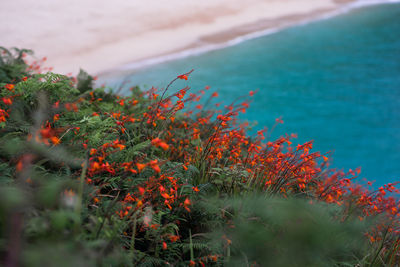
133,235
78,208
191,246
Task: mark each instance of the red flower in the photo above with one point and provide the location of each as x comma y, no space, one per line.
181,93
95,166
186,204
55,140
56,117
173,238
7,100
9,86
56,104
157,142
223,118
183,77
140,166
195,189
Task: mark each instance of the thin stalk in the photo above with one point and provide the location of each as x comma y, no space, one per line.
228,253
133,235
191,246
380,248
106,216
78,207
393,253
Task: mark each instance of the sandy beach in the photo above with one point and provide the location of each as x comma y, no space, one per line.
100,36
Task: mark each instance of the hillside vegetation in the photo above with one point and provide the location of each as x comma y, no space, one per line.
165,178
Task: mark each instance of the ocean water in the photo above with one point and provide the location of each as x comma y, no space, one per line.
335,81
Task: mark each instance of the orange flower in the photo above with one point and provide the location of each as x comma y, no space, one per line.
46,132
244,104
186,204
55,140
19,166
154,96
195,189
156,168
141,190
157,142
223,118
214,257
181,94
120,146
95,166
71,106
165,195
153,164
140,166
56,104
9,86
7,101
173,238
183,77
154,226
164,246
56,117
3,115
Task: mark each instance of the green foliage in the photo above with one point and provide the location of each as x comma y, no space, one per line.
12,66
85,81
268,230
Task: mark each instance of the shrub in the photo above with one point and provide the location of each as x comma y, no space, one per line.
89,177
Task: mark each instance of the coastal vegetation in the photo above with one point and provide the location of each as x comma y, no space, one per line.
89,177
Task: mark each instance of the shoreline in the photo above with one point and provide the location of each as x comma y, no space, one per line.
71,40
241,34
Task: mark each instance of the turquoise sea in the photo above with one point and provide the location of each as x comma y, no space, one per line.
335,81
